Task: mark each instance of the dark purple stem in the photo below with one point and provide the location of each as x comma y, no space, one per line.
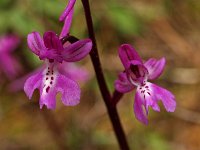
116,97
112,111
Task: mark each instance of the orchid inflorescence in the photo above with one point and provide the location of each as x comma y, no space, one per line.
51,79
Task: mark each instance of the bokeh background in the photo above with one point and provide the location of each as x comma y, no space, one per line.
156,28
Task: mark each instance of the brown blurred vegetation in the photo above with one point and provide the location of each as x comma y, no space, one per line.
156,28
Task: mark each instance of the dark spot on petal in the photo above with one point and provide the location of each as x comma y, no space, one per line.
47,74
46,78
51,82
148,93
143,84
146,87
47,89
51,60
52,78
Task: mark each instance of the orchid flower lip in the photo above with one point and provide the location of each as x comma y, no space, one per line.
144,89
50,81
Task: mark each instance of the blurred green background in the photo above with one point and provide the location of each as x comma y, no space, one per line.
156,28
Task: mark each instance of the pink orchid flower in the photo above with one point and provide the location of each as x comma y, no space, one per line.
8,64
50,80
136,76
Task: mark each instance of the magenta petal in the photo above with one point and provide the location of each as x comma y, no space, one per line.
8,43
51,54
35,43
127,53
74,72
67,24
32,83
48,99
139,110
77,50
122,84
150,101
70,90
67,10
10,66
155,107
165,96
155,67
52,41
18,84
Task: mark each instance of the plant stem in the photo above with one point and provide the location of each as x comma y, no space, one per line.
112,111
116,97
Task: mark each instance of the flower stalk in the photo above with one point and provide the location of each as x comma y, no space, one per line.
116,97
112,111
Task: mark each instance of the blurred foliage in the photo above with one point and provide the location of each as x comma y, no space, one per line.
155,27
124,19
